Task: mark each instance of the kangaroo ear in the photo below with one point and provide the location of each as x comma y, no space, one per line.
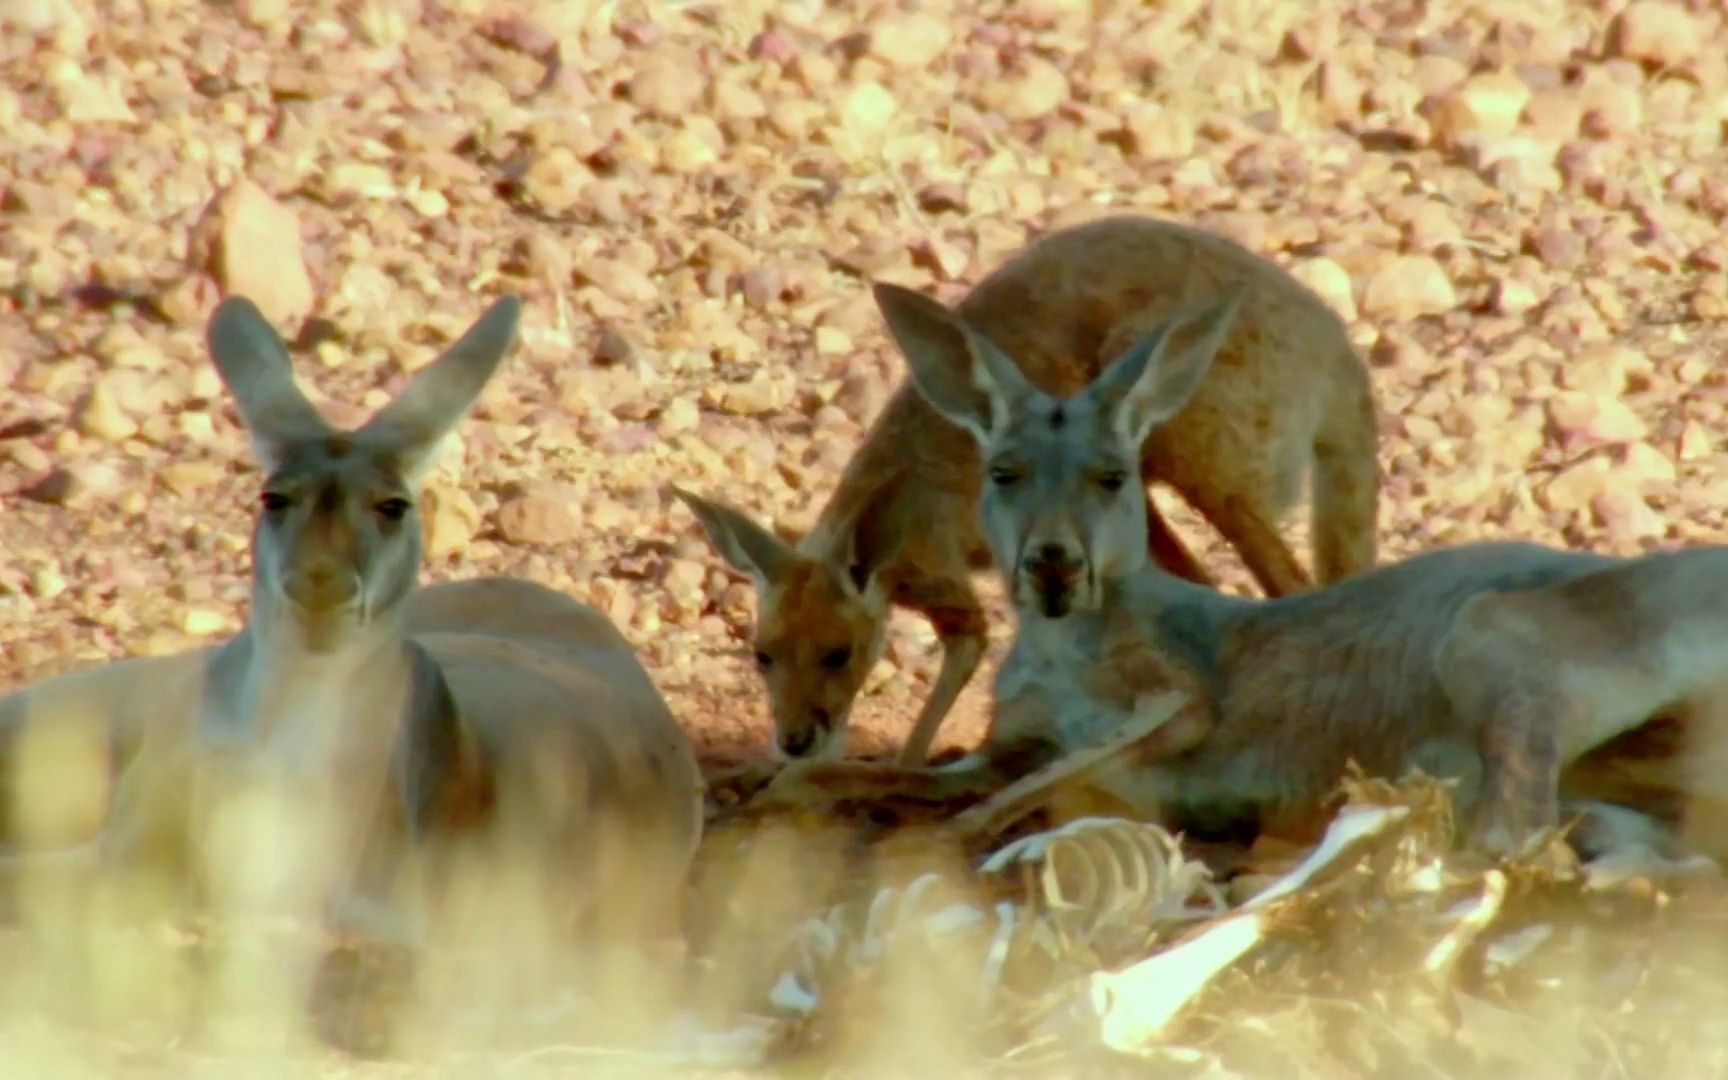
875,535
959,371
745,545
1152,381
439,397
255,367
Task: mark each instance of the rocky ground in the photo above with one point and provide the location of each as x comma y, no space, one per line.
1516,205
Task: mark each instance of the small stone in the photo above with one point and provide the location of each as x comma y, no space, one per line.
1625,516
1485,105
832,341
90,99
697,144
1655,32
1407,287
190,300
427,202
1037,89
1513,296
538,255
196,426
617,279
99,415
1590,418
1554,114
1340,90
668,83
1603,370
773,46
46,583
29,457
449,519
944,260
360,179
816,71
1695,442
543,517
186,478
1573,488
556,179
265,14
867,110
1645,467
1155,132
679,415
613,347
237,226
910,41
1428,224
1483,414
202,622
763,393
761,286
1559,249
1330,281
684,580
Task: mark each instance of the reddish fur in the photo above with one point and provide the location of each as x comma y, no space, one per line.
1286,387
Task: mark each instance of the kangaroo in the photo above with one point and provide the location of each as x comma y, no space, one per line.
1493,663
900,529
393,720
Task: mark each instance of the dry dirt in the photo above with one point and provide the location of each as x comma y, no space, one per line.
1516,204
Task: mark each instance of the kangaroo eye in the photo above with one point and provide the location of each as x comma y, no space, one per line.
274,502
1112,480
1003,476
393,509
835,659
763,660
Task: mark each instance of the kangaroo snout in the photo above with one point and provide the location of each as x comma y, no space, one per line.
812,739
322,587
799,743
1053,572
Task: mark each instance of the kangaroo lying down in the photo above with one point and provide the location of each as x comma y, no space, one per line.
396,723
1495,664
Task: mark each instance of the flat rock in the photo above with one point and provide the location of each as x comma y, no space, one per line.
251,244
1407,287
545,516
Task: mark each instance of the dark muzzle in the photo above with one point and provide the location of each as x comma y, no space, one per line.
1053,573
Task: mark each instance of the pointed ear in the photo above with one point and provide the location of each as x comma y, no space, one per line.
255,367
439,397
959,371
745,545
1153,380
875,535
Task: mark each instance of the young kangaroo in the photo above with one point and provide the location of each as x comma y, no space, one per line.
900,529
389,718
1497,662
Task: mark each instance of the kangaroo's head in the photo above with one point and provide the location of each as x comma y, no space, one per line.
821,617
336,543
1062,506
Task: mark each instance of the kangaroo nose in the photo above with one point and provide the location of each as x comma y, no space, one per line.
797,743
1053,556
819,717
322,586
